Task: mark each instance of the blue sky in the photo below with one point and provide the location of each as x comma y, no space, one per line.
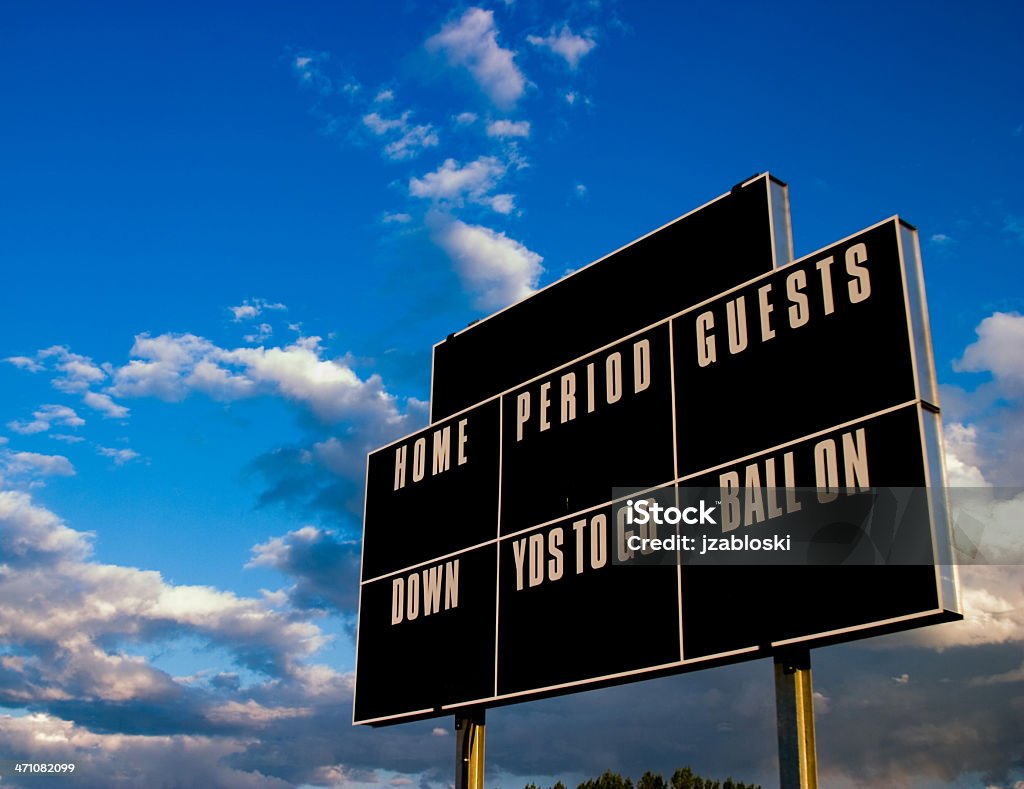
230,235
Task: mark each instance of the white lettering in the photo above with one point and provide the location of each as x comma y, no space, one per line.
613,377
522,413
705,340
825,267
463,438
400,455
397,601
826,471
568,397
798,311
419,460
641,365
765,308
860,286
736,321
442,450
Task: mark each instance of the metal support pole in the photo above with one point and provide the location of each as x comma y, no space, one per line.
470,731
794,709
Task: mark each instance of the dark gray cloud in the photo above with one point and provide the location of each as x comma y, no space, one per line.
324,480
917,717
291,478
325,568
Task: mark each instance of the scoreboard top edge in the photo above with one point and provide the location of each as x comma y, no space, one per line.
766,177
896,221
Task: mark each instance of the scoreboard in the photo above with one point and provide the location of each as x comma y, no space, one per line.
494,567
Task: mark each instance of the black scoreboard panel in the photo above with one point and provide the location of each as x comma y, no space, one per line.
592,425
727,608
731,239
454,461
419,648
813,344
504,560
612,618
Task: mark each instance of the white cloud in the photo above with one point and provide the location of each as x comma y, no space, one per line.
253,714
384,96
503,203
276,551
244,312
506,128
962,456
380,125
46,417
330,388
465,118
993,607
71,607
450,181
398,218
66,438
217,382
497,269
471,41
104,403
123,760
412,139
998,350
308,68
31,532
415,139
940,238
119,456
474,182
171,366
78,372
566,44
251,308
161,366
994,410
439,732
570,97
262,333
25,363
36,464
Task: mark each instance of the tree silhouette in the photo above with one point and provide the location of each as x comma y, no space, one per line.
608,780
683,778
650,780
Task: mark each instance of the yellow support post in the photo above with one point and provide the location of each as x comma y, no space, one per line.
794,708
470,731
